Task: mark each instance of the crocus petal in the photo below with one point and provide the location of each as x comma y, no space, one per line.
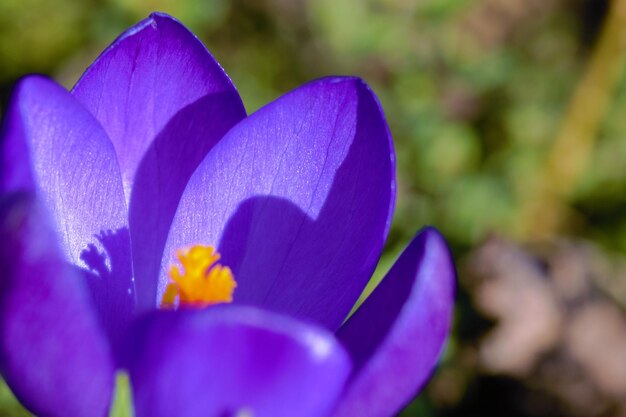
299,198
396,336
53,354
52,146
164,102
234,361
151,72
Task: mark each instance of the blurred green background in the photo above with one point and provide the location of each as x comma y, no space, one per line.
509,121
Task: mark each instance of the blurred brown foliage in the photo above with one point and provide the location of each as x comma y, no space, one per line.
559,331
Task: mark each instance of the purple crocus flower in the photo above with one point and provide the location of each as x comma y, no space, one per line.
151,153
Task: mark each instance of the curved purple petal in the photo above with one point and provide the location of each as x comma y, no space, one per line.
51,145
150,73
53,354
299,198
396,336
164,102
234,361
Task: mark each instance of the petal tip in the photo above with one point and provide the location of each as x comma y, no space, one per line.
435,247
432,234
161,15
157,17
345,81
32,82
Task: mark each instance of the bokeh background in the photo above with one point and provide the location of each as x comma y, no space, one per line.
509,120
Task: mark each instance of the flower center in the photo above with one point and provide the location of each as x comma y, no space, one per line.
198,281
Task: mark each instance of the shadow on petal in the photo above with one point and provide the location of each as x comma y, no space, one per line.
162,176
306,250
108,268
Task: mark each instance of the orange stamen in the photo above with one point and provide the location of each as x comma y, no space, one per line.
199,281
